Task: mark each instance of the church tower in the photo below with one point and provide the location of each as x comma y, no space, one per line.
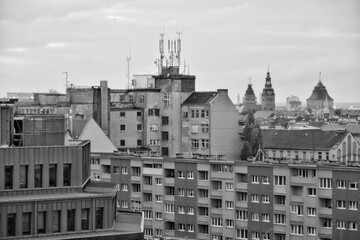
268,95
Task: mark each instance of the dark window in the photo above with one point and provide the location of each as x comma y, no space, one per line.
52,175
71,220
122,142
23,176
85,219
165,151
26,223
41,223
67,174
56,221
139,114
139,142
139,127
157,112
11,221
122,114
99,218
154,112
165,120
38,175
122,127
165,135
8,177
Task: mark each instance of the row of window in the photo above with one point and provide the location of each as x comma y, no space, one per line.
38,175
196,143
41,221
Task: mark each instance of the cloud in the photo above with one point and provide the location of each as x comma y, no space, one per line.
56,45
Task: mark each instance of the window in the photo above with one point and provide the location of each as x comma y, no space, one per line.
169,208
139,127
229,204
165,151
325,183
203,175
139,114
353,185
185,114
255,217
280,199
204,143
204,128
216,185
147,180
142,98
203,211
166,99
311,231
154,142
148,232
296,229
203,193
190,193
255,235
23,175
326,222
341,184
52,175
116,169
85,218
122,127
181,209
124,170
265,198
181,192
158,181
311,211
67,174
242,233
195,143
124,187
341,204
153,127
181,174
135,171
204,113
242,215
353,226
280,180
216,222
279,218
165,135
56,217
229,186
190,228
190,174
158,232
297,209
190,210
148,214
106,169
181,227
242,196
122,114
255,198
158,215
265,217
122,142
26,223
265,180
254,179
229,223
131,98
154,112
98,217
71,220
38,175
312,192
158,198
11,224
353,205
165,120
340,224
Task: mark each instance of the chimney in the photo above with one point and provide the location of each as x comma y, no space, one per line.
223,92
6,125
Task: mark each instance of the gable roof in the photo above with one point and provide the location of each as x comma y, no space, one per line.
301,139
264,114
200,98
100,143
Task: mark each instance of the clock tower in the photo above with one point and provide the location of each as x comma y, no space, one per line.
268,95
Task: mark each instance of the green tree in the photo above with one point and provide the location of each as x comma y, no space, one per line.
246,151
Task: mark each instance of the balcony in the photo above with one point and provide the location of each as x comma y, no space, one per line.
152,171
203,183
280,189
325,193
279,207
279,228
222,175
170,198
325,211
147,187
136,195
325,231
203,219
216,210
203,236
241,204
241,186
216,193
169,181
169,233
204,201
136,179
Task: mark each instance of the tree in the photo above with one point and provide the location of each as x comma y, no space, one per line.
246,151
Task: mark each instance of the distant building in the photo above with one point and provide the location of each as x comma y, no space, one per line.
249,100
293,103
320,99
268,95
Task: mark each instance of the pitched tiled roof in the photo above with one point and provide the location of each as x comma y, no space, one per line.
320,93
301,139
200,98
353,128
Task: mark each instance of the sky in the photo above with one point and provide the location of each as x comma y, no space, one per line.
225,43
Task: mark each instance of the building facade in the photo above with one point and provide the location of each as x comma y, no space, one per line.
320,99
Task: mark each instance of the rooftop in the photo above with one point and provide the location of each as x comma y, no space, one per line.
320,93
200,98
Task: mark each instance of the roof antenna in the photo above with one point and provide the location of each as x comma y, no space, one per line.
319,76
268,68
66,79
250,79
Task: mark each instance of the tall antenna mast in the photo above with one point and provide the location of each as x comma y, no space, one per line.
66,79
178,48
128,59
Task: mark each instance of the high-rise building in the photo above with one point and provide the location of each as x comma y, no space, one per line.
268,95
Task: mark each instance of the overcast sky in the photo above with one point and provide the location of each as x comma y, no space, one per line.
224,42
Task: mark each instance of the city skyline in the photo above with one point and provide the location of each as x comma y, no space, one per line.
224,43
